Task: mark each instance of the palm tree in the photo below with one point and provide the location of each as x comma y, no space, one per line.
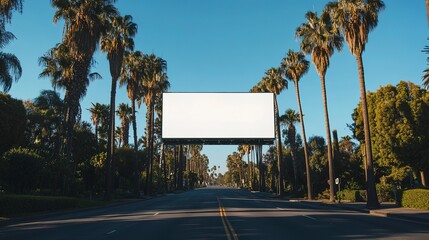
117,39
155,81
320,38
294,66
356,18
274,82
124,113
56,65
7,7
426,71
85,22
97,112
289,119
10,67
131,75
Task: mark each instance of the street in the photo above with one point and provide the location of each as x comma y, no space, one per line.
216,213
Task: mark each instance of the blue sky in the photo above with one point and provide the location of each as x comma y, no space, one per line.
226,46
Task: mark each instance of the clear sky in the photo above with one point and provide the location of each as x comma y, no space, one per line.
226,46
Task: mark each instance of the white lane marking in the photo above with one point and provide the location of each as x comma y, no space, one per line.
111,232
312,218
279,208
156,213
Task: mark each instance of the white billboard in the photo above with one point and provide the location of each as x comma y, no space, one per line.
218,117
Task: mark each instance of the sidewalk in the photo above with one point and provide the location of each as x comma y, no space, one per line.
387,209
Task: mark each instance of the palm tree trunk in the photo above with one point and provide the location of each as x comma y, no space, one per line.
293,152
161,159
76,88
422,177
148,148
371,191
111,140
136,159
280,190
248,168
328,140
180,170
307,162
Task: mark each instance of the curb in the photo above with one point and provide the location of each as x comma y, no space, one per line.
399,216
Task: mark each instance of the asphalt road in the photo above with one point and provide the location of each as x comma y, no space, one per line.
216,213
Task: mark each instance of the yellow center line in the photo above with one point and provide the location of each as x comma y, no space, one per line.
229,230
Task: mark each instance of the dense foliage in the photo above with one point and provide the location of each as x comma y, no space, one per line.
415,198
399,121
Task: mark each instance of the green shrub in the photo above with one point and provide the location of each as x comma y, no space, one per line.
18,204
20,169
385,192
415,198
352,195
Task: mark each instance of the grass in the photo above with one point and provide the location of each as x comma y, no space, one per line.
12,205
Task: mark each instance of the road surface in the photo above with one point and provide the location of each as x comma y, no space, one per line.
216,213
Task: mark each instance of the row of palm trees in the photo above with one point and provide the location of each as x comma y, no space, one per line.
320,36
87,25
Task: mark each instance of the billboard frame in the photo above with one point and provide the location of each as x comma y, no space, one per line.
222,141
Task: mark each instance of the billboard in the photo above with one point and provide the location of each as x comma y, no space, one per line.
218,118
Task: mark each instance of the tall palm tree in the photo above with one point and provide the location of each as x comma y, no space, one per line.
294,66
320,38
155,81
7,7
96,116
356,18
131,75
10,67
84,24
426,71
274,82
124,113
56,65
117,39
289,119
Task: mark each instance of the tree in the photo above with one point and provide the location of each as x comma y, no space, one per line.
10,67
399,120
44,122
426,71
274,82
84,24
154,82
356,18
117,39
131,75
56,65
98,114
12,122
320,38
124,113
289,119
7,7
294,66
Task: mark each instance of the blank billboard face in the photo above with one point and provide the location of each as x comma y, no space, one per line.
217,116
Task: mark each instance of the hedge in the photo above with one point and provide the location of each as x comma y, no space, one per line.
352,195
415,198
11,205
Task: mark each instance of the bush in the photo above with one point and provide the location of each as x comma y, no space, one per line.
18,204
352,195
20,169
415,198
385,192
